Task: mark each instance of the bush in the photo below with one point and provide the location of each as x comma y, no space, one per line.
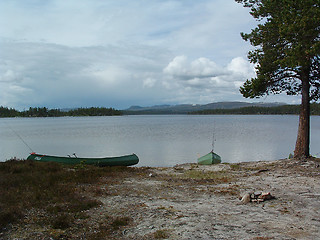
62,222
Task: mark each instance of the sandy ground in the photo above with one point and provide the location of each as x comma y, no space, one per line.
169,204
202,202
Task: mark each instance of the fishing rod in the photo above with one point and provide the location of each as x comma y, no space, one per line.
213,138
18,135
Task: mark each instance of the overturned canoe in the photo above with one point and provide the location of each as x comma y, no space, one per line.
127,160
210,158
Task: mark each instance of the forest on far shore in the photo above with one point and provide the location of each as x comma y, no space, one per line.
278,110
45,112
101,111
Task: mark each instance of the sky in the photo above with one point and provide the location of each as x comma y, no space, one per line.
119,53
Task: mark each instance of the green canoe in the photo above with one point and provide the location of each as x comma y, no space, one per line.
210,158
126,160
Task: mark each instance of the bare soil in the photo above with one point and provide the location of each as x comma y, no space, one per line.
190,201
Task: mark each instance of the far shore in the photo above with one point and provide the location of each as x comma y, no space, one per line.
191,201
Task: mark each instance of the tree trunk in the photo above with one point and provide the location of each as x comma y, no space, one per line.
303,139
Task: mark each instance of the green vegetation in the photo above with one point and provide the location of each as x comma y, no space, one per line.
161,234
8,112
55,196
279,110
28,184
45,112
94,112
215,177
120,221
286,56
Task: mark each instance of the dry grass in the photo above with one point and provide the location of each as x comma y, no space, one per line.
213,177
233,190
161,234
60,193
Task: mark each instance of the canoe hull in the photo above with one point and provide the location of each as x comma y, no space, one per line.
127,160
210,158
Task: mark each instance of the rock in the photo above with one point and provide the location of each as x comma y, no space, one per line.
246,198
256,197
265,196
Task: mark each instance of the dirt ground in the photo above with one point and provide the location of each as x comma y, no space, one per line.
174,204
202,202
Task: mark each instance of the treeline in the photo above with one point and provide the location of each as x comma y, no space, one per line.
45,112
101,111
93,111
254,110
8,112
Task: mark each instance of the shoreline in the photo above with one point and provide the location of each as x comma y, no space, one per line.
191,201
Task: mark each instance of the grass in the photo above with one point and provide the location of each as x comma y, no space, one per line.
28,184
233,190
235,166
62,221
215,177
61,192
161,234
120,222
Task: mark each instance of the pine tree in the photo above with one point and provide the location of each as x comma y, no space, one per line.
287,56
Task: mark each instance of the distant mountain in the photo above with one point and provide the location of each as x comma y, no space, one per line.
187,108
138,108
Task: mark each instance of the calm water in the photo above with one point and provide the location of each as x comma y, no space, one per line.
157,140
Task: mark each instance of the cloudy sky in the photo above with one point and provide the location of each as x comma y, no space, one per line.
118,53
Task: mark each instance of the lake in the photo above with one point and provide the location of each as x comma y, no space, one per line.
158,140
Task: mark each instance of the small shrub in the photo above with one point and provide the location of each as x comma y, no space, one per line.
235,166
83,204
62,222
9,215
119,222
161,234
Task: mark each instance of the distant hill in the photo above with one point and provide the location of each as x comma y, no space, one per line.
188,108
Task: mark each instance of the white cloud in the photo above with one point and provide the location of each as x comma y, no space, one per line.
61,76
149,82
241,66
203,76
200,68
177,66
8,76
121,53
106,76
